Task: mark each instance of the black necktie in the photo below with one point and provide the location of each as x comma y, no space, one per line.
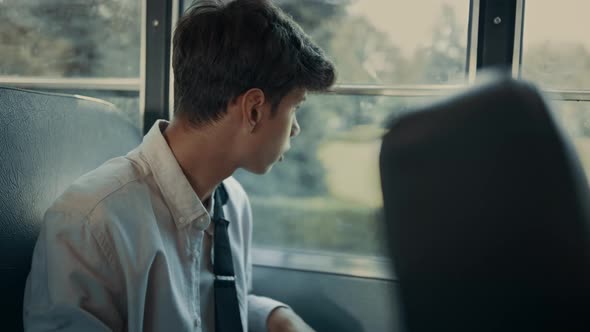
227,309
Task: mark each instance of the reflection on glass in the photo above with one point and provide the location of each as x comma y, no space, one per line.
326,194
65,38
388,41
556,44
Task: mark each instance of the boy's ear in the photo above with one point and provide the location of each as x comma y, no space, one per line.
252,107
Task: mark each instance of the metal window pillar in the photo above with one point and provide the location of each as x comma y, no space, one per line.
496,34
156,94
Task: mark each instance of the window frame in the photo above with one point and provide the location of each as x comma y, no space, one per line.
359,266
103,84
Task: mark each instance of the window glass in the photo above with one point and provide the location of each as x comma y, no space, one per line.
70,38
556,44
388,42
326,194
574,117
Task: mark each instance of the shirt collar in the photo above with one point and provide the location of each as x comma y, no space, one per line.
178,194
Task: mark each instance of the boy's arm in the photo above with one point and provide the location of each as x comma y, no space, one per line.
72,285
265,314
259,308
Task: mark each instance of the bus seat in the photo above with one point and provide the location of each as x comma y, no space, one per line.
46,141
487,214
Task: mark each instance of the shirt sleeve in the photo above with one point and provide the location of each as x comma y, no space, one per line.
71,285
259,308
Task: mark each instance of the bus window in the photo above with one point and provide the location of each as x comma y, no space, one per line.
556,55
574,117
389,42
77,47
325,198
556,44
325,195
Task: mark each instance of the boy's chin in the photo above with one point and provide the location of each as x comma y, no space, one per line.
260,170
263,168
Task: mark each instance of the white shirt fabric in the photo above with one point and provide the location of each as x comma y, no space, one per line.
125,249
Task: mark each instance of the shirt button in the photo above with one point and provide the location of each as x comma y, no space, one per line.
197,322
191,254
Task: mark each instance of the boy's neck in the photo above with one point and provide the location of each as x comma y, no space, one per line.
200,155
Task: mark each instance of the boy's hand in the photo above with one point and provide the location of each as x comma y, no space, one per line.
285,320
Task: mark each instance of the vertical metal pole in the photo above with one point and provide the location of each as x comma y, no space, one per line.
158,26
472,40
142,62
177,10
496,34
518,39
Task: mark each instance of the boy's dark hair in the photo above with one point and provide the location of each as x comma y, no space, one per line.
221,50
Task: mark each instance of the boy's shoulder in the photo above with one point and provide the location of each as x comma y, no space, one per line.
109,180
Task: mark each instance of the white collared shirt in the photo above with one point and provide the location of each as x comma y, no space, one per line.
125,249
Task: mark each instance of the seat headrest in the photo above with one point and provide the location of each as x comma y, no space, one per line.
486,206
47,141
